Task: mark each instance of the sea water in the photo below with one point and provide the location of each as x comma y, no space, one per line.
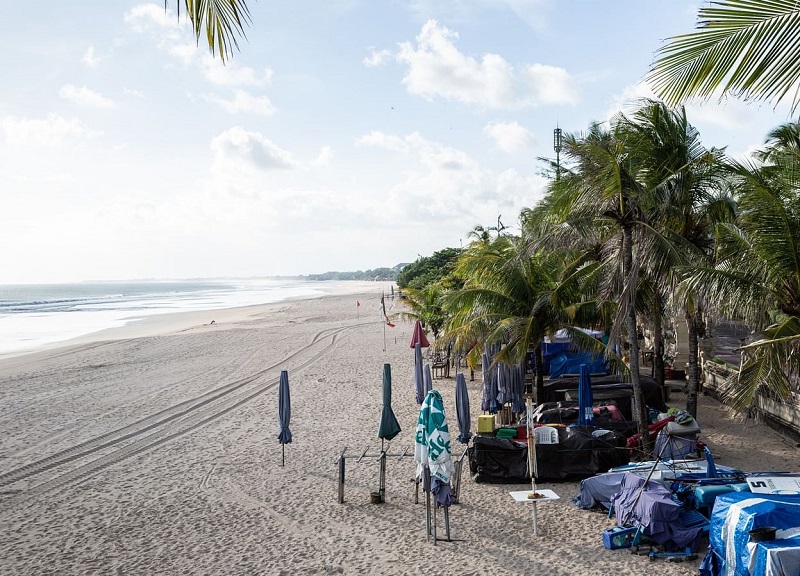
36,315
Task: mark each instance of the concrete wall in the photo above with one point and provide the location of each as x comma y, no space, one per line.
782,415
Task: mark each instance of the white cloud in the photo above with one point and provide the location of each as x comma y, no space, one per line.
437,68
244,103
325,156
446,185
49,131
508,136
377,139
90,58
376,58
551,85
185,52
146,17
85,96
237,146
230,73
133,92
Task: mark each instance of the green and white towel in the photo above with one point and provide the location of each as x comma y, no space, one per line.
432,439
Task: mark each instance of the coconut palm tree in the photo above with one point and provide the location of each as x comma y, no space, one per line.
757,276
510,299
601,188
747,48
220,20
684,181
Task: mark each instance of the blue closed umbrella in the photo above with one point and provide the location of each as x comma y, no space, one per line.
585,401
462,409
284,413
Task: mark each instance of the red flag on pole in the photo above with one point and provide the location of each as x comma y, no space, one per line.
358,303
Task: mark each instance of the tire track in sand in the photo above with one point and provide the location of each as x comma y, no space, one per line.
167,424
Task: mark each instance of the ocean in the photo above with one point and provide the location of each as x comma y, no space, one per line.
36,315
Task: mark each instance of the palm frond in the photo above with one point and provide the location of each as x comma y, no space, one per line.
222,21
748,48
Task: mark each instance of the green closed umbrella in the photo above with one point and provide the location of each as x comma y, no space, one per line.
388,427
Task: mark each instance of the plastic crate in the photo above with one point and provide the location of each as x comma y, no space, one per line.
618,537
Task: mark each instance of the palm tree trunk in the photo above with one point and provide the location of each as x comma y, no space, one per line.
658,354
692,386
639,408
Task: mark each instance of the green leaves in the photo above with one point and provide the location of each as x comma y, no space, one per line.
221,20
748,48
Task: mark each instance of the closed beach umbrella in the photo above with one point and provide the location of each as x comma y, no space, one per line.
419,378
462,409
284,414
418,336
388,427
518,388
485,383
418,342
585,401
428,380
432,447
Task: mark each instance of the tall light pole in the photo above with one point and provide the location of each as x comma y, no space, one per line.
557,147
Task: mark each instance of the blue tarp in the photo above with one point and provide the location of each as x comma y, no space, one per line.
570,363
730,550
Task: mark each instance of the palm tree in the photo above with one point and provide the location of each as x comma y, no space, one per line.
602,189
757,276
222,21
426,306
683,180
747,48
510,298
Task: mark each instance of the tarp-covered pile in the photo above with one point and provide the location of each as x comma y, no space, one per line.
730,549
578,454
649,505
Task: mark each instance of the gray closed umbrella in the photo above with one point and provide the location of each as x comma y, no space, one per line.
462,409
419,378
427,379
388,427
284,413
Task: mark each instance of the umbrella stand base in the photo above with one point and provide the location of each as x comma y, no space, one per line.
375,498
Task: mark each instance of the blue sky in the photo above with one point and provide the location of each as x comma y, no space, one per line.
343,135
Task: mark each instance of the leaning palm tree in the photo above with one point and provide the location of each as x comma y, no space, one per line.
746,48
220,20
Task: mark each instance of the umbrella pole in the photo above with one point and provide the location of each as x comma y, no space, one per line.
428,515
532,461
434,521
382,481
283,454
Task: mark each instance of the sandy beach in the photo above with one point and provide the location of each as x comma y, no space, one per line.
156,452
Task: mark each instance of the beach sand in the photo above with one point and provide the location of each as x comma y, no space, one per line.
158,454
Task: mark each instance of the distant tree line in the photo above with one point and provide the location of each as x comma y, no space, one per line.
428,270
376,274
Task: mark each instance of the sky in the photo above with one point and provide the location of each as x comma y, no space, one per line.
344,135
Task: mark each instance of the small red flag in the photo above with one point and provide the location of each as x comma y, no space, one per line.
358,303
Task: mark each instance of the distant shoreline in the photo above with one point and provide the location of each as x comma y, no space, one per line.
144,325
